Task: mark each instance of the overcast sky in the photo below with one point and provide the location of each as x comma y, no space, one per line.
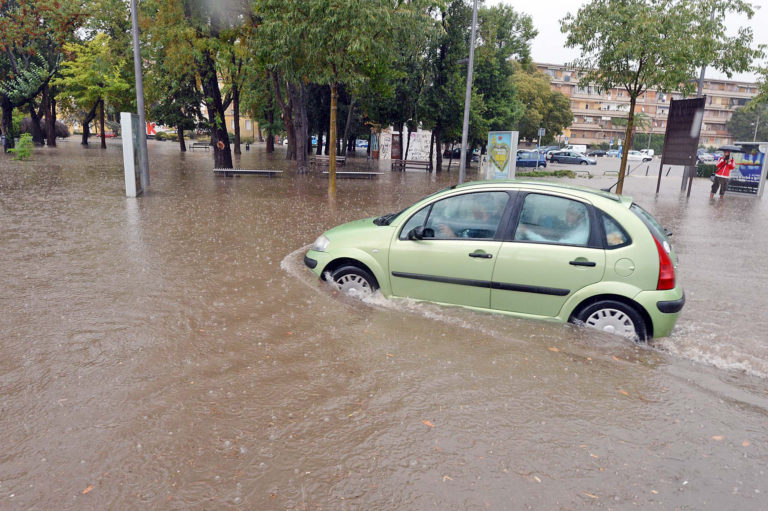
549,45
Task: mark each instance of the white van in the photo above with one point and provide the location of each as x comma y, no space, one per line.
577,148
649,152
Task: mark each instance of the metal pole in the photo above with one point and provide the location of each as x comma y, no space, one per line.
757,123
467,98
143,157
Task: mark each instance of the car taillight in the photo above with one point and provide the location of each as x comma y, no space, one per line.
666,269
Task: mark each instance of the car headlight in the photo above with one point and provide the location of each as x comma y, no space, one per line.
320,244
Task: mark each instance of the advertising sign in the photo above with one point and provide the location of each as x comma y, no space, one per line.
502,151
748,177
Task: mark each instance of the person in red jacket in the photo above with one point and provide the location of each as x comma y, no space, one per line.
723,173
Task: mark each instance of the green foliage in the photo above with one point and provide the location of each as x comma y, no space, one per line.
92,73
705,169
23,150
545,173
749,122
544,108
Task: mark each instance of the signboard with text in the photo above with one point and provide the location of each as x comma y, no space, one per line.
502,152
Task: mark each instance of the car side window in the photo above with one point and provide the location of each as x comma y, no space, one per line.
615,235
471,215
416,220
550,219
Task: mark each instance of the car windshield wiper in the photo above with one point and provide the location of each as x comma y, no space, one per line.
385,219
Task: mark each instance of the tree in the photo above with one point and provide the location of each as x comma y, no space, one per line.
33,32
635,45
543,107
714,47
749,122
330,42
92,78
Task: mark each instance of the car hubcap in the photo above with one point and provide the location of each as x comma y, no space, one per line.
612,321
353,284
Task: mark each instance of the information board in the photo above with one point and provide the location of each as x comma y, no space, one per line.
129,131
683,127
502,151
748,176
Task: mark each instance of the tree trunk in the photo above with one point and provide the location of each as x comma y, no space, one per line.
7,123
87,122
286,114
236,108
439,154
319,150
332,141
348,123
450,157
407,144
297,94
50,117
101,125
261,135
222,154
180,133
431,150
270,135
37,131
627,142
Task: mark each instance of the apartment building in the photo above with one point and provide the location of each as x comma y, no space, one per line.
594,112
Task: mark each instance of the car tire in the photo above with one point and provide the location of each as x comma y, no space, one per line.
354,280
584,162
613,317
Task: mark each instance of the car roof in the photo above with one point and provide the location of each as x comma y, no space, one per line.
516,183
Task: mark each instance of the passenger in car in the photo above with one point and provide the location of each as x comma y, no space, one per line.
576,231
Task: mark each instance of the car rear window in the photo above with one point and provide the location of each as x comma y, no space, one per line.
653,225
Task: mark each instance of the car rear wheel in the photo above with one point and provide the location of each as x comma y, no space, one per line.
615,318
583,162
354,280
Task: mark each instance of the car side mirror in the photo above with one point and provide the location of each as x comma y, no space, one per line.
416,233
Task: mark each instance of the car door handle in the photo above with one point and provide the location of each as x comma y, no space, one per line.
482,255
582,263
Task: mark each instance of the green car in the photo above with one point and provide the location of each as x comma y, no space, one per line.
530,249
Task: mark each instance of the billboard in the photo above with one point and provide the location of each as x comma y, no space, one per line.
748,177
683,127
502,150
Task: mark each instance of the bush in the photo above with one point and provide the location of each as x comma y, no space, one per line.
23,149
160,136
544,173
246,140
705,169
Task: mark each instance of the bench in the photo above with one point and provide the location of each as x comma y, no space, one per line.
403,165
321,160
232,172
355,174
200,145
611,173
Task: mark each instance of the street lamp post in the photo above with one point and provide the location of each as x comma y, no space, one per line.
143,159
467,98
757,123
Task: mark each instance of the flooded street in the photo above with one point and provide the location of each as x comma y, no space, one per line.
172,352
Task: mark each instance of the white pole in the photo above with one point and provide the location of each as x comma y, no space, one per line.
467,98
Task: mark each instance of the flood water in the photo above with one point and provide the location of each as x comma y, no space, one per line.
172,352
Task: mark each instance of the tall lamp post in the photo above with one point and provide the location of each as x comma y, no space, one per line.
143,159
467,98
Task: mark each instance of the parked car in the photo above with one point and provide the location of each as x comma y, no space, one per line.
530,159
614,153
597,152
638,156
571,157
705,157
530,249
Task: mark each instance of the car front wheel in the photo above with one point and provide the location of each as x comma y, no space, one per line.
354,280
584,162
615,318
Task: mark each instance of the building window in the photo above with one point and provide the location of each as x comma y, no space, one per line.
248,124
